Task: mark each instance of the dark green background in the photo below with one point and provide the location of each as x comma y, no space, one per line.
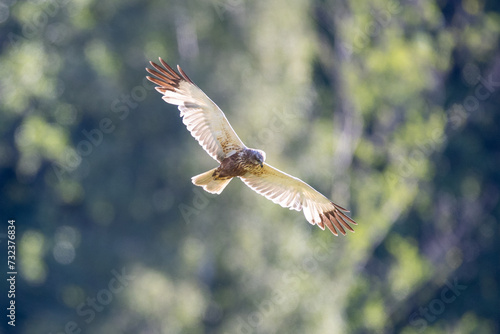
389,108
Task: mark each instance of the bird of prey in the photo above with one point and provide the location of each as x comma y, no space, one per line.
209,126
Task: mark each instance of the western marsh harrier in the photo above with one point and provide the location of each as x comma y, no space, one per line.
210,128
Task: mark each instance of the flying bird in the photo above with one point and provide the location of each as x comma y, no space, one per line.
209,126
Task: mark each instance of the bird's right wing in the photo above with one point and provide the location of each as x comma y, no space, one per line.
202,117
291,192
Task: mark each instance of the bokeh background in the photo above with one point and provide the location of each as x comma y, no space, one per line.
390,108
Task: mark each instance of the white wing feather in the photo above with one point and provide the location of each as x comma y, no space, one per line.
202,117
291,192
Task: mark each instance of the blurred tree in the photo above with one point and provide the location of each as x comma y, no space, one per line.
395,102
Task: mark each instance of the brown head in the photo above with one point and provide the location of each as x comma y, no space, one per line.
257,157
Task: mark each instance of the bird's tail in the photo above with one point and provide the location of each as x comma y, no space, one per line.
210,182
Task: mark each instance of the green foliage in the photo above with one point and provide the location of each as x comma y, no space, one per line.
389,108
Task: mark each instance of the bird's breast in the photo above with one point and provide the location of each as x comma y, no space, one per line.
237,164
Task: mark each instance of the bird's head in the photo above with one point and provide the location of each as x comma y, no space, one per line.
257,157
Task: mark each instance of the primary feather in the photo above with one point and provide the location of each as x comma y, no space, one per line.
203,118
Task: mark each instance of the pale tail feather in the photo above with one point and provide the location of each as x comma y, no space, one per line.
209,184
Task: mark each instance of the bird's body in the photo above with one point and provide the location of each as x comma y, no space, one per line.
240,163
208,124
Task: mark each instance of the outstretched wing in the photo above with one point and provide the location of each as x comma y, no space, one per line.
291,192
203,118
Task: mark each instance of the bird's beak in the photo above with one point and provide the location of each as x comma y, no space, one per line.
261,165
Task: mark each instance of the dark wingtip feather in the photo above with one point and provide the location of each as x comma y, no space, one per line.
165,76
329,224
336,221
341,222
168,68
161,90
184,75
346,217
340,208
331,215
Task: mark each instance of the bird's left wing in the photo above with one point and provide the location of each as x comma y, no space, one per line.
291,192
202,117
